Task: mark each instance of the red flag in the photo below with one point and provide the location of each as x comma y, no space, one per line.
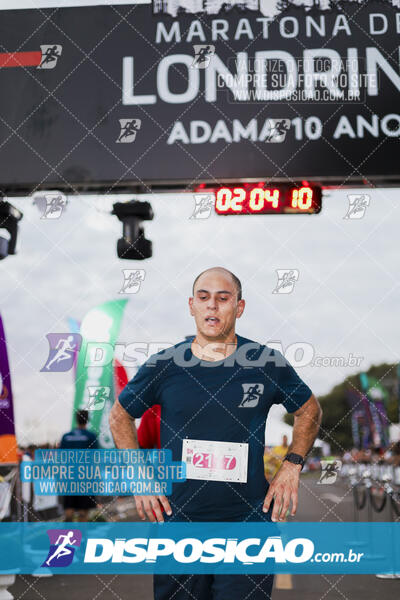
120,378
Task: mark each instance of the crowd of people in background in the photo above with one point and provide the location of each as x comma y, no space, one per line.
389,455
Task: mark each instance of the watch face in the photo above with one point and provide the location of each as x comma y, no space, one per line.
295,458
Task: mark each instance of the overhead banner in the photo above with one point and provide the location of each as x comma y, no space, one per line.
8,443
94,379
192,91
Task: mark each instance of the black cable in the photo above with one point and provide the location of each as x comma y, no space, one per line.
359,504
395,500
377,506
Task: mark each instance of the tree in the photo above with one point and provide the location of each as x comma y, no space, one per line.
336,419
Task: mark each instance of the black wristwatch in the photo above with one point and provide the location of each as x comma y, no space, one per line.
294,458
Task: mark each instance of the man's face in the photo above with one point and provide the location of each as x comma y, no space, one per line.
214,305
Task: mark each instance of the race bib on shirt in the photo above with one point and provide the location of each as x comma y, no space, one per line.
215,461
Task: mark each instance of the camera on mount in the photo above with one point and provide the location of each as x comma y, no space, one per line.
133,245
9,217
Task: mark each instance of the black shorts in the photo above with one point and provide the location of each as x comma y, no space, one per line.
217,586
213,587
79,502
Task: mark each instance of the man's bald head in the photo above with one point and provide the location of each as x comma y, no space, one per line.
235,279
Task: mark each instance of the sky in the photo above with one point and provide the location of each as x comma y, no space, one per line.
345,300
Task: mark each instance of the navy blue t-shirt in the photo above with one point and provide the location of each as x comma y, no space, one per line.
209,400
79,438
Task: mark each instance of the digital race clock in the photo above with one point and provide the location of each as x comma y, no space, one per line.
259,199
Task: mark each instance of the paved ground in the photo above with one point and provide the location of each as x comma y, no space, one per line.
317,503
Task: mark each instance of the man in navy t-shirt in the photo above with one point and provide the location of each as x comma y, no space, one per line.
215,392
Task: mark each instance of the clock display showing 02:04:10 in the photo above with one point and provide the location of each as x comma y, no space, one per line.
261,200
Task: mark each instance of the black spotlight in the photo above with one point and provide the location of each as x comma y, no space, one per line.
133,245
9,217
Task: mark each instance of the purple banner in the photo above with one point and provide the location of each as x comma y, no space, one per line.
8,446
361,420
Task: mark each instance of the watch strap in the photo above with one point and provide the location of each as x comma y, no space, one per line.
294,458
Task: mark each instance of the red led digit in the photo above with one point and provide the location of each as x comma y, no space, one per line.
302,198
273,197
238,199
223,199
256,201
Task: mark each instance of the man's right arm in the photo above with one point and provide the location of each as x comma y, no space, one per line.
123,427
124,432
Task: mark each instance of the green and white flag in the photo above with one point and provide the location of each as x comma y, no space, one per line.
94,386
